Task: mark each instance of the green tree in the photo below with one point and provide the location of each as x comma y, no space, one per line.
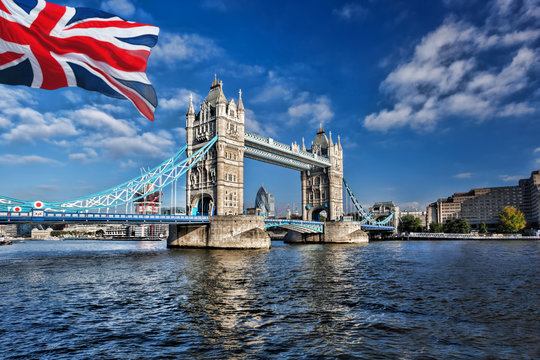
409,223
511,220
436,227
457,226
482,228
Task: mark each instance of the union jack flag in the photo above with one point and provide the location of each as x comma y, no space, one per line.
48,46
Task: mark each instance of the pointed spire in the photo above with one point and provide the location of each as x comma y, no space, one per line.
221,97
240,102
303,145
191,111
338,141
330,138
215,82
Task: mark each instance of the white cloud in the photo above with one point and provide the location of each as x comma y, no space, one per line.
350,11
179,100
12,159
276,88
218,5
11,97
174,48
257,127
146,145
4,122
33,126
86,156
465,71
180,133
99,120
412,205
466,175
537,150
510,178
316,112
72,96
128,164
516,109
119,7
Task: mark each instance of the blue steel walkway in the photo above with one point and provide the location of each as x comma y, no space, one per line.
41,217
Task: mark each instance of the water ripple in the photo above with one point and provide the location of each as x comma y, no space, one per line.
385,300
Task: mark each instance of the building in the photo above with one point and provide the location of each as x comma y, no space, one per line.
484,204
322,189
445,209
148,230
415,213
8,230
382,210
38,234
148,201
116,230
265,202
215,185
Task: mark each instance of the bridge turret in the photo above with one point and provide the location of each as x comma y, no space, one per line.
241,110
322,187
216,183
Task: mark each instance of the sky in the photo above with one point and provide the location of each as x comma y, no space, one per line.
429,98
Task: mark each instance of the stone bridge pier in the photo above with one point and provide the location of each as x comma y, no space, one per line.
223,232
335,232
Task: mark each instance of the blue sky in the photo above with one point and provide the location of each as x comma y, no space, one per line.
430,98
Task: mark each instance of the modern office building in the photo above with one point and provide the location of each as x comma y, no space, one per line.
484,204
265,202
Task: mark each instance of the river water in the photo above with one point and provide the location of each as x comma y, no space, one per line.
382,300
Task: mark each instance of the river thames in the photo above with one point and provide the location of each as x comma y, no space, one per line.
382,300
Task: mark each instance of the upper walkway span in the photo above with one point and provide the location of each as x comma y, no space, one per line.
273,152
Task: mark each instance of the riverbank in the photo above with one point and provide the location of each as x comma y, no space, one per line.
442,236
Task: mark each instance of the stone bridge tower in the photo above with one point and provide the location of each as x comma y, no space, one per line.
215,185
322,188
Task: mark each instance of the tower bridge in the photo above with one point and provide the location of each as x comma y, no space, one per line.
216,183
213,162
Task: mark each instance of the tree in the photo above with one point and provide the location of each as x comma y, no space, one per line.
482,228
457,226
511,220
409,223
436,227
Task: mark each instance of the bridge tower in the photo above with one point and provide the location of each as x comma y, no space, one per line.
215,185
322,188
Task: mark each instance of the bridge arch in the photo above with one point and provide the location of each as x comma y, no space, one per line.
315,213
202,204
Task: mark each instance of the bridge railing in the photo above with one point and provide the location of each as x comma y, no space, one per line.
60,216
276,144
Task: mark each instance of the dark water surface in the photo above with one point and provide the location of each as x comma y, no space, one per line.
383,300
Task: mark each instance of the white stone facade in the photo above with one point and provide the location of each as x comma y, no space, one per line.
218,179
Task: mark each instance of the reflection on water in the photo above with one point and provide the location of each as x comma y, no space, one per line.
408,300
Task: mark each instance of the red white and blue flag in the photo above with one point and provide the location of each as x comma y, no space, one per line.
48,46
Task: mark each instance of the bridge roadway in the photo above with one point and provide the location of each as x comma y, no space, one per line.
43,217
273,152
